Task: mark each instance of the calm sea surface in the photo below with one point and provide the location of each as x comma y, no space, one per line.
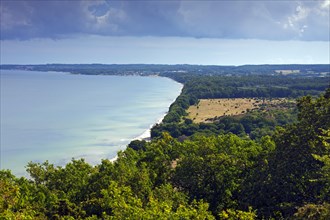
58,116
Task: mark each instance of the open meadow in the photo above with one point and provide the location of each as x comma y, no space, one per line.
208,109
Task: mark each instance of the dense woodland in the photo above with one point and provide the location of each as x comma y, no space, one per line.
251,167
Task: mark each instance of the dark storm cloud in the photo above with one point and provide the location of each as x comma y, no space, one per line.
273,20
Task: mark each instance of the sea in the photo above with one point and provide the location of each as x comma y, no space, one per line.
56,116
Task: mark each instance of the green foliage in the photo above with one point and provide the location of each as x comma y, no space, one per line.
137,144
255,124
212,168
178,108
294,175
253,86
313,212
18,198
238,214
124,205
325,159
212,174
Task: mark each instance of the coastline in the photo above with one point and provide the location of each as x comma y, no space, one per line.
145,135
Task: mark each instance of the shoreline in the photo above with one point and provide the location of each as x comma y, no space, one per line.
145,136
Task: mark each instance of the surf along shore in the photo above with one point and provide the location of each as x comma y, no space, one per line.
146,135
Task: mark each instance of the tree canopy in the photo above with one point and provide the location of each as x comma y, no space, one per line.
215,176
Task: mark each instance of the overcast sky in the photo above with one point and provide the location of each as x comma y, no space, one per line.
165,32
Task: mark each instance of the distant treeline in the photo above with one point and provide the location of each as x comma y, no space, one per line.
175,70
254,86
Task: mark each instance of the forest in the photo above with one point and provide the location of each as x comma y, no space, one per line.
255,123
262,165
223,176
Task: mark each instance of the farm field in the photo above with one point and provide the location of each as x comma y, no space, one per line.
208,109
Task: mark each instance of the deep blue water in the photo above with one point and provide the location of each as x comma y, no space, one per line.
58,116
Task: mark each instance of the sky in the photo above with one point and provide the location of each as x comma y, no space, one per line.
165,32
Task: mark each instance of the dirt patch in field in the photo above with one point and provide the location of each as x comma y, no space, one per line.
207,109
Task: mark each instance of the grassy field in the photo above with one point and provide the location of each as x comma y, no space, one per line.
211,108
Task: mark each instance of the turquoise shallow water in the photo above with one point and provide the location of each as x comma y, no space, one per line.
58,116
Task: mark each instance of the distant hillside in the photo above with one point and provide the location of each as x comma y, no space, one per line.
168,70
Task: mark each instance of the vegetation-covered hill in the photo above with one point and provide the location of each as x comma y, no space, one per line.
219,176
243,167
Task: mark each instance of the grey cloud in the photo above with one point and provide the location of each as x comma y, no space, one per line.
40,19
272,20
